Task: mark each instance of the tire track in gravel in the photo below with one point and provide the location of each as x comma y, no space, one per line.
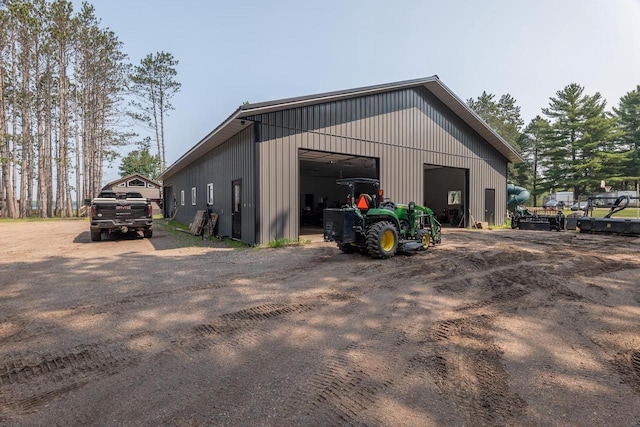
467,366
461,353
29,381
346,388
26,329
627,364
458,356
204,336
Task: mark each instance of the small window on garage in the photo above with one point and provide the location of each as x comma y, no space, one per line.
193,196
210,193
136,183
150,185
181,197
122,184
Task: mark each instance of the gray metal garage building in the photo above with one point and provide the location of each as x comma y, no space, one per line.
271,165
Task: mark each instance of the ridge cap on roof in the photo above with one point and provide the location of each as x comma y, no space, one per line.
273,103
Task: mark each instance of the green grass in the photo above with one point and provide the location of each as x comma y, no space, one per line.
631,212
181,231
279,243
236,244
172,225
505,225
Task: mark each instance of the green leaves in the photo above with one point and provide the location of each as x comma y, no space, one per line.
153,84
574,144
503,116
627,139
142,162
577,145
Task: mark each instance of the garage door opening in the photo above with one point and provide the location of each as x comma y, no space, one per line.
446,192
319,171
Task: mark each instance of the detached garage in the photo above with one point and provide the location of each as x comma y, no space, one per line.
271,167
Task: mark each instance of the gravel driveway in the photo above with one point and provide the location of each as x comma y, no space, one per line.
501,327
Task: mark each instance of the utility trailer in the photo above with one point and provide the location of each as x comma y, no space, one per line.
609,224
524,219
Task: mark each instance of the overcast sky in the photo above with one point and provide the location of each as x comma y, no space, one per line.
236,51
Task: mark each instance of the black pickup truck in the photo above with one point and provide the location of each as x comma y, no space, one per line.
114,212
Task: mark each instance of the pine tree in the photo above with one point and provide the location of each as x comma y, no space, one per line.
532,141
154,84
578,136
61,82
503,117
627,165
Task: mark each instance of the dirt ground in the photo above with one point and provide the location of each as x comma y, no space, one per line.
493,327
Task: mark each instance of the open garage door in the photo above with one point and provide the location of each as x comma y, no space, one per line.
446,192
319,171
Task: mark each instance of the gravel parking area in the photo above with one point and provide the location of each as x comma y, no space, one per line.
492,327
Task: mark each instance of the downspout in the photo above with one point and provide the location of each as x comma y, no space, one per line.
256,182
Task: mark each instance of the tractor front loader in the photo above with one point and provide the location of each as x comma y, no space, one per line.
370,224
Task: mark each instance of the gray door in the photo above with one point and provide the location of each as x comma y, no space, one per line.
236,203
490,205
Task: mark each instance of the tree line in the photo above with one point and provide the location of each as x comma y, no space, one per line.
574,143
68,101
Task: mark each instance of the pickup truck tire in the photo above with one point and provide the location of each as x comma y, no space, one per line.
96,236
147,234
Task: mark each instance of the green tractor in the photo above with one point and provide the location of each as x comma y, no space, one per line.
379,227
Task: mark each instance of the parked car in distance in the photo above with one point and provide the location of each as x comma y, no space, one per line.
553,204
580,206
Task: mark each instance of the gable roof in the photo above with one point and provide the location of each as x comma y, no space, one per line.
235,123
128,177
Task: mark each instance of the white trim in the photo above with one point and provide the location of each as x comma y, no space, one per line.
143,183
193,196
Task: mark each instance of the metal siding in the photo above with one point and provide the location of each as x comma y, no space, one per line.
231,160
405,129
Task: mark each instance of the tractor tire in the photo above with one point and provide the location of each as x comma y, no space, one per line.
147,234
96,236
438,238
347,248
382,240
423,236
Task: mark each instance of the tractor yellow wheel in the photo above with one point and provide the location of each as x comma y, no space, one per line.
388,240
424,238
382,240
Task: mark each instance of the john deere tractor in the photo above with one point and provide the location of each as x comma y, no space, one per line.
371,224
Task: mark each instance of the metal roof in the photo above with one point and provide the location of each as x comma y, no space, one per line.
236,122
